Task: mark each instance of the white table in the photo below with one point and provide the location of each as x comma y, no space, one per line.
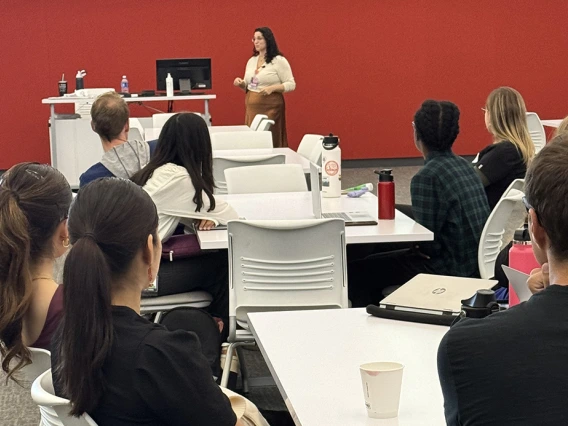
551,123
292,157
236,128
153,133
298,205
314,357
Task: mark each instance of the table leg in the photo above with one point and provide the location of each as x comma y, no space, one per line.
207,115
53,142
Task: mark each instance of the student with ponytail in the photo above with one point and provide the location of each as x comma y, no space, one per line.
34,202
107,360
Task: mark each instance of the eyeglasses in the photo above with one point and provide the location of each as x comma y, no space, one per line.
527,204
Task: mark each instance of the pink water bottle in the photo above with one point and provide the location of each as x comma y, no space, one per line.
521,258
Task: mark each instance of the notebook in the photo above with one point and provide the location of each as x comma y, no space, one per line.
350,218
518,281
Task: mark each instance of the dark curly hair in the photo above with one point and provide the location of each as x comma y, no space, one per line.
271,46
437,124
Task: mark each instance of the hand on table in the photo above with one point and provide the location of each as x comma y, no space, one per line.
267,91
539,279
206,225
238,82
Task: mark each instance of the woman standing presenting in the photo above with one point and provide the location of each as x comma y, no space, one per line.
267,76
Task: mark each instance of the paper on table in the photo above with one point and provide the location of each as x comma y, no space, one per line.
518,280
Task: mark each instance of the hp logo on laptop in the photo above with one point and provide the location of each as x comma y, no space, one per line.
439,290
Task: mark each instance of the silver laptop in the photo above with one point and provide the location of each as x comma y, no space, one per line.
434,294
350,218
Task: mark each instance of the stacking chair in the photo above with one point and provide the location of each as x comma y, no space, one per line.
536,130
220,164
493,234
263,179
136,131
256,120
310,147
241,140
41,362
53,409
158,120
282,265
265,125
160,304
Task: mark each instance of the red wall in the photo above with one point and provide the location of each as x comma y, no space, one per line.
362,67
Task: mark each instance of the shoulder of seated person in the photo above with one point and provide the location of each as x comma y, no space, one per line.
171,169
160,337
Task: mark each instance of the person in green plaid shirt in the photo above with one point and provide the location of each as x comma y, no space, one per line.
447,198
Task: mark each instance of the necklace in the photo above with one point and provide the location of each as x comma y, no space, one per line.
43,278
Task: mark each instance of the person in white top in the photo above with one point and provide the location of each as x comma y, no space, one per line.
179,179
267,76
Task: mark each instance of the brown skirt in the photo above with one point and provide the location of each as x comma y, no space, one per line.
274,107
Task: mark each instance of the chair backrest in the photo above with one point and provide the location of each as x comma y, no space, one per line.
158,120
135,124
265,125
134,134
517,184
494,230
41,362
286,265
53,409
269,178
256,120
241,140
220,164
310,147
536,130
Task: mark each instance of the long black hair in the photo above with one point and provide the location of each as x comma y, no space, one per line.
109,224
437,124
185,141
271,46
34,200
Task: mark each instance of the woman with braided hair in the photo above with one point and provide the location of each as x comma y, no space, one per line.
447,198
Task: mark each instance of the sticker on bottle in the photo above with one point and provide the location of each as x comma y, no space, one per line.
331,168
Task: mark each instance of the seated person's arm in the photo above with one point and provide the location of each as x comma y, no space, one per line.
175,381
483,178
427,202
497,163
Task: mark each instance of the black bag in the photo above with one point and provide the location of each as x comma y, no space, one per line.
204,326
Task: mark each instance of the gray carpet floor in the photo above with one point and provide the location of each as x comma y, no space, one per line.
17,408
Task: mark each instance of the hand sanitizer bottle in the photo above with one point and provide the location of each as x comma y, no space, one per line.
169,85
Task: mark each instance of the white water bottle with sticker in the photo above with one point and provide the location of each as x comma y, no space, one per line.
331,167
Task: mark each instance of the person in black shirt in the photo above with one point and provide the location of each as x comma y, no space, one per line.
106,359
510,368
507,158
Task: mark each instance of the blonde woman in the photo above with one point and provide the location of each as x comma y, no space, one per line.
508,157
562,128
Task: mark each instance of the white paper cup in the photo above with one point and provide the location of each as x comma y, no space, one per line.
382,382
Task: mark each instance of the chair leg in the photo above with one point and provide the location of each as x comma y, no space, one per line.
227,366
158,317
244,370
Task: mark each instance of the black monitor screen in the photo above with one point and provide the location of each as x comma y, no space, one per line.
197,71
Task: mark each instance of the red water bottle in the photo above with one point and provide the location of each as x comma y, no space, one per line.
386,194
521,258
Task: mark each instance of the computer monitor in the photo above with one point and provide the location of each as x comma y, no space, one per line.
191,73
